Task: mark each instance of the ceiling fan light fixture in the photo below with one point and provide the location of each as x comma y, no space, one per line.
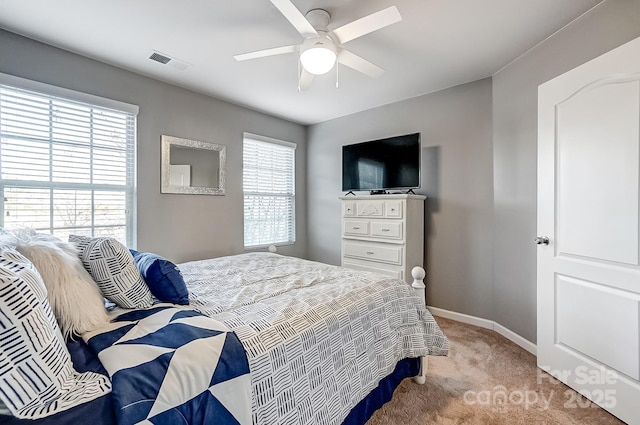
318,55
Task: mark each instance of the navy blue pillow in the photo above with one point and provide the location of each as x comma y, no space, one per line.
162,276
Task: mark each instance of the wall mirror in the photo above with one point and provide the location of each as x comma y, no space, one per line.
192,167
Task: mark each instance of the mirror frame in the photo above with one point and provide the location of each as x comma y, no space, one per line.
165,186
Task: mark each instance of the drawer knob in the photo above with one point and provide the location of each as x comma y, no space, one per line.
370,252
385,230
355,228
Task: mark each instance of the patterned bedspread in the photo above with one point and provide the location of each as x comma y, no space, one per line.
318,338
173,366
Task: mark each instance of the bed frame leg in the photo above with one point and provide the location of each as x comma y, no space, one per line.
418,275
421,378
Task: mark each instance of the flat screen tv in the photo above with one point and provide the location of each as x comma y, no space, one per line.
377,165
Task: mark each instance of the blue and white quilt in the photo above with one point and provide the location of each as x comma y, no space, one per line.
174,366
319,338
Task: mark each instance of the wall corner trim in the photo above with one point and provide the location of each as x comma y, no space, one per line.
487,324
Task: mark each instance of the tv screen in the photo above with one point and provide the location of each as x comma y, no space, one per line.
392,163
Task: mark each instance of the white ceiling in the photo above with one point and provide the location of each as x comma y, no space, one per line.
438,44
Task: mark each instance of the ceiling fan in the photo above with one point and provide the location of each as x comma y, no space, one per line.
321,48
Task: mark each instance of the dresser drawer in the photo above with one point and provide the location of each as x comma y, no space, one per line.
370,208
391,271
393,209
373,252
349,209
356,227
387,229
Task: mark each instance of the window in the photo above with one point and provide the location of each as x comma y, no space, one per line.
66,166
269,191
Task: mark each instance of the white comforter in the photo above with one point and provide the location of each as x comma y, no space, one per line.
318,338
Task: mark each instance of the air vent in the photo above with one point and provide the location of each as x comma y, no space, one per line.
168,60
159,58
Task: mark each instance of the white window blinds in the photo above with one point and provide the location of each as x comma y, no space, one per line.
66,166
269,192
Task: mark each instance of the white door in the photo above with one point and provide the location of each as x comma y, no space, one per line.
589,269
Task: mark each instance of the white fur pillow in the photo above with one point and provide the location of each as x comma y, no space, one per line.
74,297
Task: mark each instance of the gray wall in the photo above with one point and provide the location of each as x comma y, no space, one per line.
456,174
180,227
515,103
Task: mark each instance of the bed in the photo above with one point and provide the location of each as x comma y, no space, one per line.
295,342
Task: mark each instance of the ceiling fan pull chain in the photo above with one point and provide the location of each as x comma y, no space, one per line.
299,76
337,75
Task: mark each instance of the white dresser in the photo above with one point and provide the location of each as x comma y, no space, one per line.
383,233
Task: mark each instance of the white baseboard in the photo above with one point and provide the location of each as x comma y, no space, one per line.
487,324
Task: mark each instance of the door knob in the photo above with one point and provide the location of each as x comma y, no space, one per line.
542,240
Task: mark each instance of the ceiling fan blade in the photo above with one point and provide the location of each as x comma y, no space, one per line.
294,16
369,23
305,80
266,52
354,61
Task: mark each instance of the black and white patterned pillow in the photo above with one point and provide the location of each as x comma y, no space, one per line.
37,378
112,267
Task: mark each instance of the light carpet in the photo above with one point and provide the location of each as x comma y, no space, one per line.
486,379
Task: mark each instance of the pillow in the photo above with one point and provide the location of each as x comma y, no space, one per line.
111,265
73,295
162,276
37,378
